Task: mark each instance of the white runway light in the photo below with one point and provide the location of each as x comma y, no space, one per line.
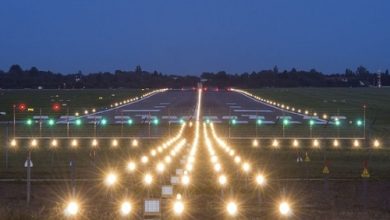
125,208
255,143
260,180
131,166
284,209
72,209
185,180
222,180
231,208
178,207
148,179
111,179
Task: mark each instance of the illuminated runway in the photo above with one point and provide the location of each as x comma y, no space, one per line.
222,106
166,107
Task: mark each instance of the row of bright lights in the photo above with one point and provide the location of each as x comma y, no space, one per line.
111,178
315,143
78,122
178,205
190,158
73,207
222,178
255,143
125,208
124,102
74,143
246,167
288,108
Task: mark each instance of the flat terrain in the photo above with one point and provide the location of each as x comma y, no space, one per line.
72,99
341,194
338,101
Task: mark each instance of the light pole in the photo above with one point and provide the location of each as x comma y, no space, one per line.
14,128
364,123
33,144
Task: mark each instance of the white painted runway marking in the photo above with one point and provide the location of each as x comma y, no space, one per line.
120,122
231,103
159,106
310,117
41,117
65,122
227,117
121,117
65,117
338,117
141,110
169,117
211,117
174,121
235,106
252,110
253,116
165,103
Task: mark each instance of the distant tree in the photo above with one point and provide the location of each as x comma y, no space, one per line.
387,72
15,69
349,73
362,71
33,71
275,69
32,78
138,69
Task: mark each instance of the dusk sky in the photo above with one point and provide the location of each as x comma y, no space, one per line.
191,37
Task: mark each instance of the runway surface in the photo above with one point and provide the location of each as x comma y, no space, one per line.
222,106
166,107
218,107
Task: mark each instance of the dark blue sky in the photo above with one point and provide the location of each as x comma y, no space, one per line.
189,37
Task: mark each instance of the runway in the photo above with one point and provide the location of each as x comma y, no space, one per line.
171,106
222,106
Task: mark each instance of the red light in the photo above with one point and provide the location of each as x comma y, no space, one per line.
22,107
56,107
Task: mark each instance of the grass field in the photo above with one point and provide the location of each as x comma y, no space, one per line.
74,100
338,101
342,194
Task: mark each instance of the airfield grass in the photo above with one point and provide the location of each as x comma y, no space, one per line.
348,102
72,99
303,182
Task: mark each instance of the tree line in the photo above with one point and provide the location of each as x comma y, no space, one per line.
17,78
